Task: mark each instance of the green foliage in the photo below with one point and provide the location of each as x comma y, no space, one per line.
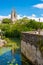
14,30
10,30
6,21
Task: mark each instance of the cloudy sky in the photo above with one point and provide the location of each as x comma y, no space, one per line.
30,8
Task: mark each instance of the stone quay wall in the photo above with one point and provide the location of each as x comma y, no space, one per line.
30,48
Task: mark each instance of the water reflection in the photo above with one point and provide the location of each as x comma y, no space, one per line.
10,57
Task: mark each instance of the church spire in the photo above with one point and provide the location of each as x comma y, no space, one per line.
13,15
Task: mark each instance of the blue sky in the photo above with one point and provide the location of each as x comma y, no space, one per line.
23,7
32,8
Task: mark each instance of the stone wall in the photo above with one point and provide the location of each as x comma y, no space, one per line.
30,48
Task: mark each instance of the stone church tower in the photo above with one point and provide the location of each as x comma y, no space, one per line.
13,16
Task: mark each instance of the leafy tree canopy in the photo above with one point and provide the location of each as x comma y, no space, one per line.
6,21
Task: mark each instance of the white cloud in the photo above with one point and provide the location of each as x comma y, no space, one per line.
40,6
33,16
41,19
19,17
2,17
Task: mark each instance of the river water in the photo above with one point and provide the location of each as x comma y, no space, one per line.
9,58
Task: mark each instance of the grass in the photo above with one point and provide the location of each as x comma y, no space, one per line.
13,42
4,50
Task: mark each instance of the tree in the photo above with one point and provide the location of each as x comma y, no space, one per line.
6,21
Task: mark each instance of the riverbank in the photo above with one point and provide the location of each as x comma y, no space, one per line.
7,54
13,44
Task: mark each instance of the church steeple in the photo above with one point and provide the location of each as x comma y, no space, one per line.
13,16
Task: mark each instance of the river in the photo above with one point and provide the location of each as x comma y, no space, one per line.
9,58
